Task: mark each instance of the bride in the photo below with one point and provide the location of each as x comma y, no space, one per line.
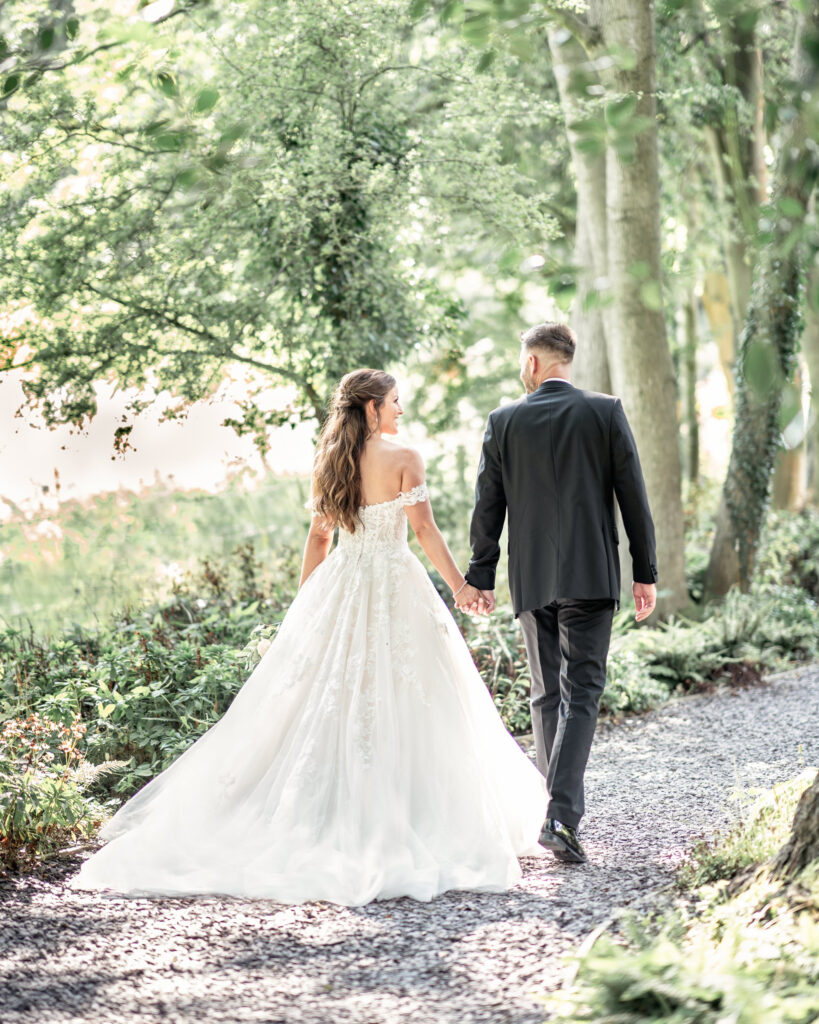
363,758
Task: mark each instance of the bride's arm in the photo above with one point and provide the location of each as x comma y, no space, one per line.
316,547
425,528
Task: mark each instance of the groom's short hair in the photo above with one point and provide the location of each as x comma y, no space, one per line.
559,339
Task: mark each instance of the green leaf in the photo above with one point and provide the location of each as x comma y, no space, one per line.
72,28
520,44
155,127
206,100
171,140
651,295
790,206
187,178
167,83
418,8
45,40
487,59
10,84
476,29
452,9
761,367
620,111
231,134
641,269
593,145
791,406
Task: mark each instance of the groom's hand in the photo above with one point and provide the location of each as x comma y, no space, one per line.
489,600
470,600
645,598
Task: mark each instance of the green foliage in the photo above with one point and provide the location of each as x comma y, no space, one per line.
740,951
630,686
789,550
87,560
498,652
762,827
703,983
256,190
152,681
43,778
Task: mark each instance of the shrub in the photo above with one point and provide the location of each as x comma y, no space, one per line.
155,679
630,687
789,551
43,778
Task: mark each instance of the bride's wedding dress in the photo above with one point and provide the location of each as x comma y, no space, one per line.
362,759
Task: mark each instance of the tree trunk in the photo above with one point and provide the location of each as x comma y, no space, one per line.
810,348
789,478
589,317
767,352
691,418
736,154
790,469
639,357
716,302
802,847
590,367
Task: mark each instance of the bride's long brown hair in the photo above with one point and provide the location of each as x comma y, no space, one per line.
337,465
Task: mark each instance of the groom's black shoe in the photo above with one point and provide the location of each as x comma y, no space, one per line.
562,841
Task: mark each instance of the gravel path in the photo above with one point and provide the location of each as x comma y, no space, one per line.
654,783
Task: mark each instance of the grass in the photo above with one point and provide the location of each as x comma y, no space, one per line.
90,560
763,825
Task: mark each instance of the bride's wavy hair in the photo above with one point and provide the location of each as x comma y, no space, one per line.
337,465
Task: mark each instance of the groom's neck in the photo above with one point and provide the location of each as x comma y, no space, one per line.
562,371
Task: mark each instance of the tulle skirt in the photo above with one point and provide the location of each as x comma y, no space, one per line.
362,759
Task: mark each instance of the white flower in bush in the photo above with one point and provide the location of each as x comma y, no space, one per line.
262,647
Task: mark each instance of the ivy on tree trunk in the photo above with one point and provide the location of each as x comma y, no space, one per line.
768,345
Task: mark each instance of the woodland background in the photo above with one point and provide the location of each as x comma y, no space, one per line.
228,205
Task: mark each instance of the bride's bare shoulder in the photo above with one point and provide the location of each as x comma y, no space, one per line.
410,464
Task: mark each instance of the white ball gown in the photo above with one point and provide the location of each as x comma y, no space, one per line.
362,759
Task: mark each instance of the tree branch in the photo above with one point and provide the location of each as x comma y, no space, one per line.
225,351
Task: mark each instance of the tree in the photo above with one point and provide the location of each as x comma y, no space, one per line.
605,60
802,846
770,337
247,196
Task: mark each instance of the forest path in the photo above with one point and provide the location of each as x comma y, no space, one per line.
654,784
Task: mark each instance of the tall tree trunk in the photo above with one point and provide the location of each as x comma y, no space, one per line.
767,352
738,156
639,356
589,318
810,348
625,240
790,468
691,419
591,361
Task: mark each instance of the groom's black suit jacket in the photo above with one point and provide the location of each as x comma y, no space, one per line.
555,460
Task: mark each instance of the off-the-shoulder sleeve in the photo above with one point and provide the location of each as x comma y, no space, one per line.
417,494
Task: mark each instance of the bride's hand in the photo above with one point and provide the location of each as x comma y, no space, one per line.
470,600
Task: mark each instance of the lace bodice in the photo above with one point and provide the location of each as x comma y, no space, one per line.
383,525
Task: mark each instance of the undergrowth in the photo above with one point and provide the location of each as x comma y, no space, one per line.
741,949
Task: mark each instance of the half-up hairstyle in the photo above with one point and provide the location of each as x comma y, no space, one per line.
337,465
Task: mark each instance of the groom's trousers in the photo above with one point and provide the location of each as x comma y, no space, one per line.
567,642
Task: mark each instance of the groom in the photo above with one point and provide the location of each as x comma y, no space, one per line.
555,460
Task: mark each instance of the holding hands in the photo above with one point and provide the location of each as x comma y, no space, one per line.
473,601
